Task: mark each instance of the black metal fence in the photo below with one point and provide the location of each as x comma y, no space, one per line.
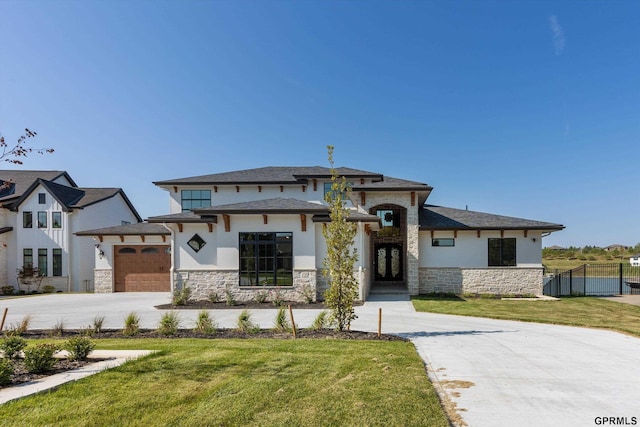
593,279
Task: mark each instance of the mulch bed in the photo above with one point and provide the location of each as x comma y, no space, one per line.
21,375
220,334
221,305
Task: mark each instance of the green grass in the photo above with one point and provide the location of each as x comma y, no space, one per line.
579,311
264,382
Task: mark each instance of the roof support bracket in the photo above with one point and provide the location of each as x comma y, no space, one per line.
227,222
526,232
303,222
265,219
478,234
180,227
413,198
210,227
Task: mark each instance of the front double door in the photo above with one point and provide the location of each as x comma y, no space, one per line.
388,262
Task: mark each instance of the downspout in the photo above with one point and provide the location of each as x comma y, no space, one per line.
360,276
171,276
69,241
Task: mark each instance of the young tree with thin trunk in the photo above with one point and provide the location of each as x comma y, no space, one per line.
339,235
14,154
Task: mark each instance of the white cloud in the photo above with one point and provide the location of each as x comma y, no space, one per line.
558,35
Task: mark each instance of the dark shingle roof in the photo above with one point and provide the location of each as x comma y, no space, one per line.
139,229
183,217
354,216
21,180
273,206
441,218
390,183
270,175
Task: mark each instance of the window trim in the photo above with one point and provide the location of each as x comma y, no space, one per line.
501,248
42,224
24,217
53,219
275,274
438,242
56,258
43,261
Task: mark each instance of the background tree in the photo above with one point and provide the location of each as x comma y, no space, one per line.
341,257
15,153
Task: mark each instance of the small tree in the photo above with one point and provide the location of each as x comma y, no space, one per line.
13,154
341,256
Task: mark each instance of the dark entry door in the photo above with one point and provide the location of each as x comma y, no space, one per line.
388,262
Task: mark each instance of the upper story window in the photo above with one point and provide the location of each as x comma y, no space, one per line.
27,219
328,191
56,219
390,222
193,199
42,219
502,252
42,198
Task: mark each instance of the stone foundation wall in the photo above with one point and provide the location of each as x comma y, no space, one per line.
499,281
205,282
103,281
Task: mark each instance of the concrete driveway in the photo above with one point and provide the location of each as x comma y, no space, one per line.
494,372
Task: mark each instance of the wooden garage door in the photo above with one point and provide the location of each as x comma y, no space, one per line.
142,268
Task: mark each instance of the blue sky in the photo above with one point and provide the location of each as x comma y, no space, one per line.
526,109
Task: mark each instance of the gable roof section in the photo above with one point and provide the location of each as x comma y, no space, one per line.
139,229
270,175
183,217
75,198
441,218
390,183
21,180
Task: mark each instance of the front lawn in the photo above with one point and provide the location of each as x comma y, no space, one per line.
573,311
197,382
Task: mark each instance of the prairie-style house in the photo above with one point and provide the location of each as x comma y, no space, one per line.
261,229
40,212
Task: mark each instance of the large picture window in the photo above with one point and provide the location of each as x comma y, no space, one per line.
193,199
502,252
266,259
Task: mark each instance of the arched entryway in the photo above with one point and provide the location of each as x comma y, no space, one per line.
388,247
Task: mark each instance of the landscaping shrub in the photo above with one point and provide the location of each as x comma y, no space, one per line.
281,323
230,298
276,298
261,297
11,346
169,323
131,324
48,289
39,358
20,328
181,296
98,322
213,297
205,324
245,324
6,370
321,321
79,347
58,328
8,290
308,293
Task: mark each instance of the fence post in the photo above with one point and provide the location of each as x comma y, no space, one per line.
621,278
570,282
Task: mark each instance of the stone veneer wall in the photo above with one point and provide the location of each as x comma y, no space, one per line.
103,281
362,277
499,281
204,282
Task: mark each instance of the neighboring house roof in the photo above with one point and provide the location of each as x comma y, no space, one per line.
20,180
614,247
139,229
556,248
73,197
271,175
441,218
5,230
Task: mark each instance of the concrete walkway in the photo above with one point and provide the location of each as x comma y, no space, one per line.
495,372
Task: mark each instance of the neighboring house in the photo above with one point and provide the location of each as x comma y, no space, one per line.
635,260
41,211
556,248
620,248
261,229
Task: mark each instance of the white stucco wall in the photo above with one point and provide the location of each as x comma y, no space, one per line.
472,252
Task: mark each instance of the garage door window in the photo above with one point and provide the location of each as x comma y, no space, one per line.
127,251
